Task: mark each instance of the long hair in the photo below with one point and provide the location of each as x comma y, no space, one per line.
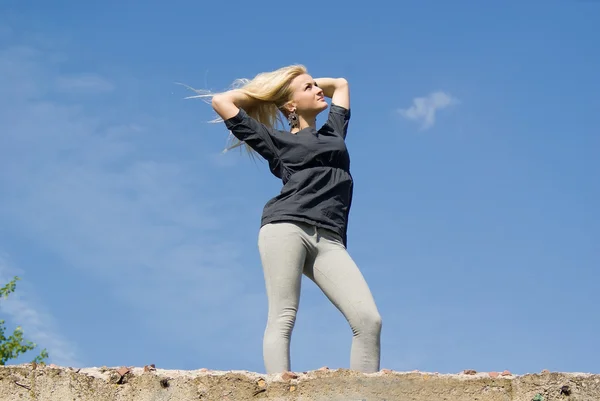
271,90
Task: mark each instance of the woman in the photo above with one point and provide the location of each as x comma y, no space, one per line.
303,229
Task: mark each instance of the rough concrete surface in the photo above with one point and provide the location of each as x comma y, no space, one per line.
44,383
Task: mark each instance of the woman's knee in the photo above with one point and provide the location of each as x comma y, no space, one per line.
369,322
375,321
283,319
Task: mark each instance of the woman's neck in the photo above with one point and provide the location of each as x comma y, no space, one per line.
305,123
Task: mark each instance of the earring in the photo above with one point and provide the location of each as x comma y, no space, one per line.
293,119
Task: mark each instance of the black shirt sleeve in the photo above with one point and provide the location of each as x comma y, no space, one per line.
338,119
254,133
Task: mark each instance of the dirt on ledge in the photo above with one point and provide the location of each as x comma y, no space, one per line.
45,383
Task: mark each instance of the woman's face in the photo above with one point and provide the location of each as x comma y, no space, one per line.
307,97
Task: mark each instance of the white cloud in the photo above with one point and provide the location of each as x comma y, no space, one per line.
424,109
38,324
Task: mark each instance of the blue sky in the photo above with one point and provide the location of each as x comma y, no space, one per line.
474,143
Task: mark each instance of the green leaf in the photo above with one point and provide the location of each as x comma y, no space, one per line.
9,288
13,346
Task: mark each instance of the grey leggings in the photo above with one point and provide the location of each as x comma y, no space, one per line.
287,251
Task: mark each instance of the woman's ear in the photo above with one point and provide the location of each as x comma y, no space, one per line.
288,107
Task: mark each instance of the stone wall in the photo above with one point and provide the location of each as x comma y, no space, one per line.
45,383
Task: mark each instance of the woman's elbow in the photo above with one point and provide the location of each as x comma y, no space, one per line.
341,82
217,101
224,106
221,104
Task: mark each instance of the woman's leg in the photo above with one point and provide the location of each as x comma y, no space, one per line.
283,249
341,281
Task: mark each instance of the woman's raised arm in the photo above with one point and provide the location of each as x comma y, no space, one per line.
337,89
228,104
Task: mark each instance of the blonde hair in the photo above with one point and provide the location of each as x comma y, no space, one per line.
270,92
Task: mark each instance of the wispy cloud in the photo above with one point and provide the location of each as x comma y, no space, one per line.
84,83
38,323
104,195
424,109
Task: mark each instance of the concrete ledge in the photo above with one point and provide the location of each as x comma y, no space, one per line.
45,383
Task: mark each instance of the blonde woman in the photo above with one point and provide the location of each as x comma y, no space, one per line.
303,229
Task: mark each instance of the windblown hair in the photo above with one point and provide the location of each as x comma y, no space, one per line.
271,90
